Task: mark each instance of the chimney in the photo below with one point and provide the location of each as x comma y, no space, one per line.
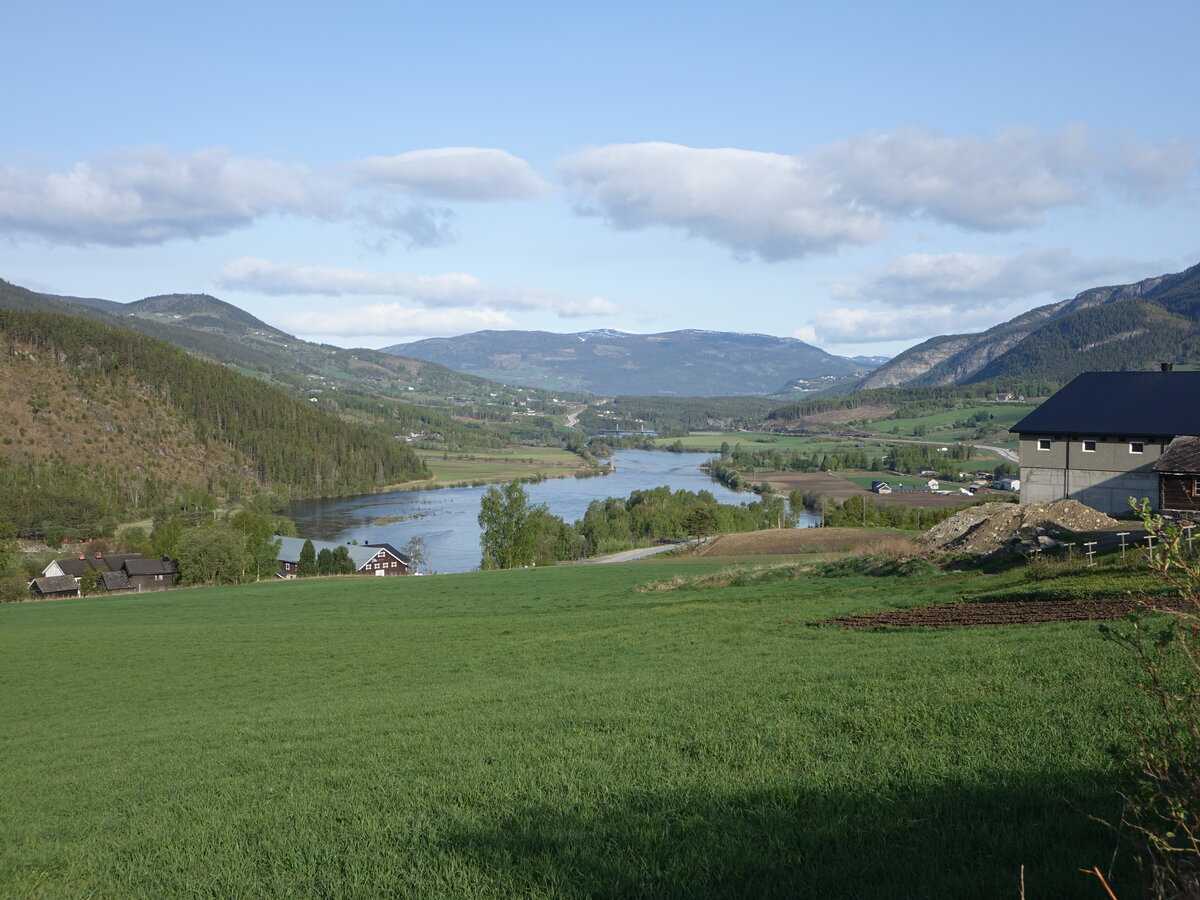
1167,367
82,556
99,556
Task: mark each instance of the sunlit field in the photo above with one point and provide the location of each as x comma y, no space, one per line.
551,733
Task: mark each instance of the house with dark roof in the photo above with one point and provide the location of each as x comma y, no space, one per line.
1178,471
77,565
1099,438
368,559
54,587
120,573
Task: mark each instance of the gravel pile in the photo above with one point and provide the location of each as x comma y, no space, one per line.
994,527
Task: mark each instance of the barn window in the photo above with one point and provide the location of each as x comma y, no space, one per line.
1195,487
1089,446
1137,447
1043,443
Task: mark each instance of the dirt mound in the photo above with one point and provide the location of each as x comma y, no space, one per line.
996,527
992,612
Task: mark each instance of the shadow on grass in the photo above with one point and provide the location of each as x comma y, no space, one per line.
953,842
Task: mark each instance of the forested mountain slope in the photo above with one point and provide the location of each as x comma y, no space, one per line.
611,363
401,394
114,423
1133,326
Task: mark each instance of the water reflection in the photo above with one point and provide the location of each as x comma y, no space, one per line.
447,519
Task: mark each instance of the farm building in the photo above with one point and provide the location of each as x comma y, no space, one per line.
120,573
52,587
368,559
1098,439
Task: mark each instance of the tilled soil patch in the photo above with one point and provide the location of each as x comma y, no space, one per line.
991,612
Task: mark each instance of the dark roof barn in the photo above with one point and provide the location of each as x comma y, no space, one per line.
1120,403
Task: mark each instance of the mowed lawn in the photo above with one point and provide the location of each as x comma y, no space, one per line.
550,733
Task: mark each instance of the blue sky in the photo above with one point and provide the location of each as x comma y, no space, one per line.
360,174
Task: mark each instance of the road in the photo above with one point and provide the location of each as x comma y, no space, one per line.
572,418
630,555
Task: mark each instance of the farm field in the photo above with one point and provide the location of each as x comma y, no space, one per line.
494,466
552,733
840,489
1006,415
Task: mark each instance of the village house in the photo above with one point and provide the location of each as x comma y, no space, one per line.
54,587
368,559
1100,438
1178,471
120,573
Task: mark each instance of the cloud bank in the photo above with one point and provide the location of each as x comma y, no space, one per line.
847,193
452,291
150,195
924,294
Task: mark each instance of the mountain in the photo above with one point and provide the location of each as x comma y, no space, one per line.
103,422
613,363
451,409
1131,326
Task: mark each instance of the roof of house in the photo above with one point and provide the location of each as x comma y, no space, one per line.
116,581
151,566
74,566
1181,455
55,584
361,554
1120,403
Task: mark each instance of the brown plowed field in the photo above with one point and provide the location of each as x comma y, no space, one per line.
992,612
780,541
839,489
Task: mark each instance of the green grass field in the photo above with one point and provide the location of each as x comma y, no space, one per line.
495,466
551,733
941,423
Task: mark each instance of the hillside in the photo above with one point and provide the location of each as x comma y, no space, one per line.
101,422
404,395
613,363
1132,326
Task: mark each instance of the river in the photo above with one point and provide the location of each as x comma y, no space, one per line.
447,519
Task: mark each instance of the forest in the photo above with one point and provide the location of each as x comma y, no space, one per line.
278,438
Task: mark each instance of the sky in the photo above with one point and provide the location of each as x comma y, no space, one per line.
362,174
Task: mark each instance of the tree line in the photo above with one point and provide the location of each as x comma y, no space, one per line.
517,533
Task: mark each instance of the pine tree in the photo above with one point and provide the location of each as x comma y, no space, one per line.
308,561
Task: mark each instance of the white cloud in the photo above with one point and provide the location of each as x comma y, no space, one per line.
452,173
765,203
845,325
973,279
395,318
448,290
842,194
150,195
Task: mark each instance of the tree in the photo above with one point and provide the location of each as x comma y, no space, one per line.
418,557
210,554
1162,811
342,563
508,540
261,543
89,582
325,562
8,545
307,564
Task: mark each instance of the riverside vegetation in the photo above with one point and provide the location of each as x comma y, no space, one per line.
556,733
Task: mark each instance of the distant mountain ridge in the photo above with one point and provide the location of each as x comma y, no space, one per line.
1131,326
689,363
